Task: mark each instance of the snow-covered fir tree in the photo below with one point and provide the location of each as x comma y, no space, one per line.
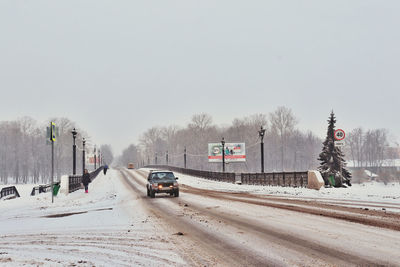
332,158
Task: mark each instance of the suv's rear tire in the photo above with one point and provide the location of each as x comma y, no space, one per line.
176,193
152,194
148,192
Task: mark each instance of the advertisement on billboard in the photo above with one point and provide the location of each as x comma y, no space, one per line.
234,152
90,159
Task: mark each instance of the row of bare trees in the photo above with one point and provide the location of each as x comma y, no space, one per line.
286,147
25,156
369,148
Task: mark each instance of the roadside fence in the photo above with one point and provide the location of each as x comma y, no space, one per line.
75,181
43,188
288,179
6,191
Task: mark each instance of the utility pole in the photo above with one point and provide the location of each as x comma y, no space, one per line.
83,155
74,133
261,133
184,157
223,154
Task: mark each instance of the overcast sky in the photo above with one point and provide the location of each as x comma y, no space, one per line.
119,67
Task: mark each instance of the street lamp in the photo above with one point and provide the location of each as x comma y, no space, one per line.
223,154
83,156
74,133
95,159
261,133
184,157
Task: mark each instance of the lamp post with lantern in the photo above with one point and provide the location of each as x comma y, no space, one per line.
261,133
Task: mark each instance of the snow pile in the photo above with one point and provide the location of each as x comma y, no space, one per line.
370,174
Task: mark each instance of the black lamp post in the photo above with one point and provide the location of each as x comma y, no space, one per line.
95,158
261,133
184,157
83,155
74,133
223,154
166,157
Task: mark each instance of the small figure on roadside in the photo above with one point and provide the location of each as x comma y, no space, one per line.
86,180
105,169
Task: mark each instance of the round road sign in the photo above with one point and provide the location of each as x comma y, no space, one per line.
339,135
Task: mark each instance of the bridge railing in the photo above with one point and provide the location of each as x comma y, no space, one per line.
215,176
10,190
289,179
43,188
75,181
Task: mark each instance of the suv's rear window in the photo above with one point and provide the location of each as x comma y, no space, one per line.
162,175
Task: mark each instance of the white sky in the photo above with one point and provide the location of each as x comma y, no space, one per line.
120,67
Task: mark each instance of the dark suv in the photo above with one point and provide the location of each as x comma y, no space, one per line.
162,182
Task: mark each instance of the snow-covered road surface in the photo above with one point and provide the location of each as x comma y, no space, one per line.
116,224
278,235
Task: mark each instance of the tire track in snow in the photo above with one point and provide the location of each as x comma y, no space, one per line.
217,251
305,247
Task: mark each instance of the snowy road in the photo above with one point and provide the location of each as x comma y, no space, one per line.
277,231
116,224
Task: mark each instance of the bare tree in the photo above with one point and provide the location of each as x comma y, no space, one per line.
107,153
300,150
356,145
24,155
282,124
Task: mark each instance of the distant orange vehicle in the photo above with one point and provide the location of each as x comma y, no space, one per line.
131,166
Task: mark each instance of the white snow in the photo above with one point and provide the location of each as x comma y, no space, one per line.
106,227
109,227
370,192
370,174
367,191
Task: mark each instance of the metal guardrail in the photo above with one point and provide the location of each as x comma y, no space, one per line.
289,179
215,176
75,181
11,190
42,189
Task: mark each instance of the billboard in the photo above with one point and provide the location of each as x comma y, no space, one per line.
90,159
234,152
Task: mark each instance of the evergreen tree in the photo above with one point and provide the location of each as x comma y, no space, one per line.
332,158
